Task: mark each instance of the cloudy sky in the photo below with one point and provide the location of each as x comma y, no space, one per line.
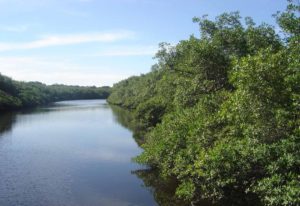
99,42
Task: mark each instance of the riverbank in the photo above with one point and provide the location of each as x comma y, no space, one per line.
220,113
16,95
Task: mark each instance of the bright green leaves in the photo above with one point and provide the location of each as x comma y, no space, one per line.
233,165
279,190
223,112
260,106
186,190
227,32
262,75
289,20
281,184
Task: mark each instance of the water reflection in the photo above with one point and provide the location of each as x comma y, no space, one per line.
70,153
8,119
49,163
6,122
126,119
163,190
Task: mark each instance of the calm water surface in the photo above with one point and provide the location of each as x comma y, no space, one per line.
70,153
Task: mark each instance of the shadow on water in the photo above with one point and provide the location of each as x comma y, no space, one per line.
126,119
8,118
163,190
7,121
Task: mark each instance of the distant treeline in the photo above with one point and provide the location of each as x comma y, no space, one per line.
17,94
221,113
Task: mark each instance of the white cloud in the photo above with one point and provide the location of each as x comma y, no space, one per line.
129,51
60,40
51,71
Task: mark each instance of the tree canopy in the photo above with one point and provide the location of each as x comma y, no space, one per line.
221,111
16,94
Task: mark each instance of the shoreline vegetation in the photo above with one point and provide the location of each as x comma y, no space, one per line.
218,113
16,95
221,112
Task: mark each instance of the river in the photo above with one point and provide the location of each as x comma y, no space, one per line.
71,153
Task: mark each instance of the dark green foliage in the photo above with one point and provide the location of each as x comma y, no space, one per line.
15,95
151,112
222,112
9,102
162,189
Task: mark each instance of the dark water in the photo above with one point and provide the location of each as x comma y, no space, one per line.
73,153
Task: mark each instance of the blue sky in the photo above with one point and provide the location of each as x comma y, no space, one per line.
100,42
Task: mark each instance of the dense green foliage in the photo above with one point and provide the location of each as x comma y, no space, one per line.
16,94
222,112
